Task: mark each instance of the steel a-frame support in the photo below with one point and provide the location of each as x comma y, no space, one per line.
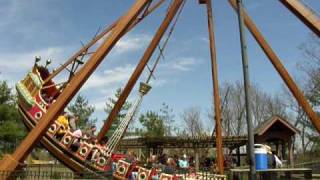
216,95
276,62
139,68
10,162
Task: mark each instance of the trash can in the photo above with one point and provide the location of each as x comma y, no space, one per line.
260,153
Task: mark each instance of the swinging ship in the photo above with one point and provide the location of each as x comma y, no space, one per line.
34,98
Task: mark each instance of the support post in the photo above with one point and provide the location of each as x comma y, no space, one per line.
245,65
283,150
277,148
197,158
139,68
299,96
306,15
238,156
290,152
10,162
216,96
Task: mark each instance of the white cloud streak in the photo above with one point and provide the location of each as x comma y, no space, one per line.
15,62
182,63
131,43
109,77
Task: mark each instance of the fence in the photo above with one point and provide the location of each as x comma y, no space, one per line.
33,175
272,174
48,171
314,165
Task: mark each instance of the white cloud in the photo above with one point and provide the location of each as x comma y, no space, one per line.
158,82
15,62
99,105
131,43
182,63
109,77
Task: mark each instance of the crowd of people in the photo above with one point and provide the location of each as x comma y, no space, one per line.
164,164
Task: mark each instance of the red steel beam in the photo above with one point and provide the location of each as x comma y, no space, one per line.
10,162
306,15
276,62
139,68
216,96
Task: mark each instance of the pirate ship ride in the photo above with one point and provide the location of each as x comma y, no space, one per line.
41,99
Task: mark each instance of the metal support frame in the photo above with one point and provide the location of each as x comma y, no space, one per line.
306,15
276,62
139,68
216,96
246,80
10,162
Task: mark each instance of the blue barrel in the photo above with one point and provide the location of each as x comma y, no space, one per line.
261,157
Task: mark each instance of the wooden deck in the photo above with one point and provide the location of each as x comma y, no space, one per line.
272,174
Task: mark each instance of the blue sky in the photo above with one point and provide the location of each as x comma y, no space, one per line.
54,29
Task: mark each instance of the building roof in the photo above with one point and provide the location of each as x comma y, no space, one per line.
181,142
263,127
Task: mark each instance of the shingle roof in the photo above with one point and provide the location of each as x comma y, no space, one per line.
263,127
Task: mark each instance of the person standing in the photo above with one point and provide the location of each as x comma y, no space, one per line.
277,161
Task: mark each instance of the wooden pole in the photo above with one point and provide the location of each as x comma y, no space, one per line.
216,96
10,162
137,72
306,15
276,62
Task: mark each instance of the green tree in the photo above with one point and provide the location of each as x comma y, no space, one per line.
81,108
168,118
5,93
153,124
157,123
11,128
109,106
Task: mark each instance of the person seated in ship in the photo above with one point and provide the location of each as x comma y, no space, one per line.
73,122
170,167
183,163
192,173
98,148
104,141
131,158
163,159
63,120
152,163
48,99
77,134
88,133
